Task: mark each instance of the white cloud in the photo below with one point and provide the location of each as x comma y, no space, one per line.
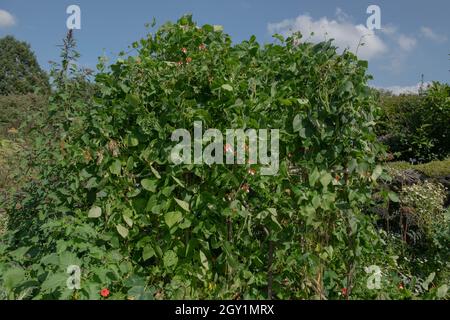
431,35
406,43
345,34
341,15
397,90
6,19
389,29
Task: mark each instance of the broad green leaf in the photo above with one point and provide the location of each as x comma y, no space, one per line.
140,293
148,252
393,196
13,277
54,281
428,281
19,253
133,100
133,141
130,163
377,172
227,87
217,28
95,212
115,167
363,63
122,230
183,204
185,224
128,220
297,125
325,179
124,87
170,258
313,177
68,258
171,218
149,185
442,291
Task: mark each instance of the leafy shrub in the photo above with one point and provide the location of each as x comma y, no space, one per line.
16,112
20,72
109,201
422,207
416,126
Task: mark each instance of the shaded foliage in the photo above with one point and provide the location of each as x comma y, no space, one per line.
20,72
417,126
109,200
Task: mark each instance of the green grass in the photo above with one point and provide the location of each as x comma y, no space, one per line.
432,169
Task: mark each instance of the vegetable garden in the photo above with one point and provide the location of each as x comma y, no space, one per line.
103,195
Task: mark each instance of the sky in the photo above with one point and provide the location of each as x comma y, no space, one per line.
413,39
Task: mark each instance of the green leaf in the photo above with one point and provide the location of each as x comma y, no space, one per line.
128,220
133,100
95,212
185,224
217,28
148,252
149,185
442,291
297,125
325,179
204,260
122,230
286,102
156,173
181,184
19,253
139,293
393,196
130,163
183,204
170,259
363,63
428,281
133,141
68,258
313,177
13,277
171,218
54,281
377,172
227,87
115,167
124,87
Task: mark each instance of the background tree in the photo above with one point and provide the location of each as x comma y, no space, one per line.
20,72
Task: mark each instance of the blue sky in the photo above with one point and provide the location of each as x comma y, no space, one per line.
414,38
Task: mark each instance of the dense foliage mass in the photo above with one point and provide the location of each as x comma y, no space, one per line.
107,198
16,111
416,127
20,72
